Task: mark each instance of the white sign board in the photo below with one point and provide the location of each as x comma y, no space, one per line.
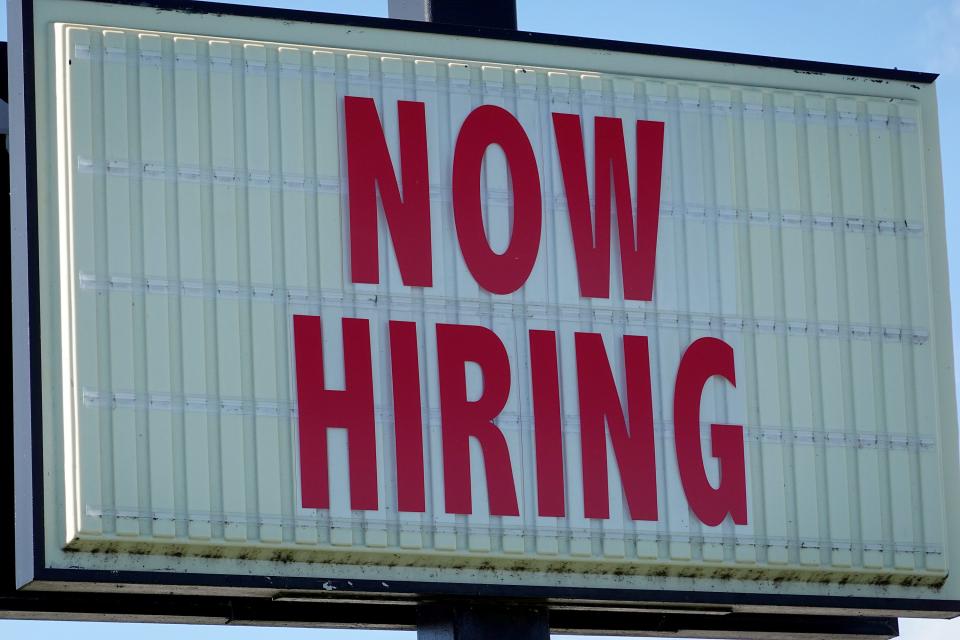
321,303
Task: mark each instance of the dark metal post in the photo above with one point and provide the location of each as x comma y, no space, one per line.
494,14
409,10
473,621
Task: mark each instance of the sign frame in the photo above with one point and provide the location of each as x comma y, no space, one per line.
27,458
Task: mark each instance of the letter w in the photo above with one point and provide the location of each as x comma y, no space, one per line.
369,170
591,235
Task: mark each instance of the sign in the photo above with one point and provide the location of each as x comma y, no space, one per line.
323,307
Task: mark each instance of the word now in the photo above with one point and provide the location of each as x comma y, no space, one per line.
602,411
406,205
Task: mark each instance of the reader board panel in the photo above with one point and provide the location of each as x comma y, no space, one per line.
318,302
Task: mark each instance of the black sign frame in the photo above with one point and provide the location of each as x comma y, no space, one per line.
149,596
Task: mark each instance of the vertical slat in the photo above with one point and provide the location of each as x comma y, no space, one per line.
174,327
84,202
341,531
69,401
788,186
106,506
771,446
673,335
304,530
231,370
850,162
798,455
756,157
496,83
579,543
269,430
905,462
189,243
391,81
868,459
540,531
591,106
850,551
694,209
911,155
879,204
747,547
854,172
444,524
326,107
673,296
266,272
443,534
837,477
922,371
294,81
804,354
725,204
153,154
725,199
557,100
714,547
630,107
116,149
200,61
136,248
675,510
760,174
460,86
326,234
903,126
540,132
558,95
386,86
426,83
653,101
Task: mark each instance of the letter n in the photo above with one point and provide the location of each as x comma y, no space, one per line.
369,172
631,432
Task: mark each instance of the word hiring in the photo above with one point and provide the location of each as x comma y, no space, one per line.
372,176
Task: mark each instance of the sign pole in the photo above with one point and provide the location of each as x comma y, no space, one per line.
492,14
470,620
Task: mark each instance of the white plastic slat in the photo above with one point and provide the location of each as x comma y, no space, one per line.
850,161
189,241
558,87
911,154
821,201
325,117
788,169
83,203
754,138
837,460
155,264
226,267
121,322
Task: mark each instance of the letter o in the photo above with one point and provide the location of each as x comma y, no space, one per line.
499,273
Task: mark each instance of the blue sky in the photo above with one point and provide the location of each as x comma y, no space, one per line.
916,34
